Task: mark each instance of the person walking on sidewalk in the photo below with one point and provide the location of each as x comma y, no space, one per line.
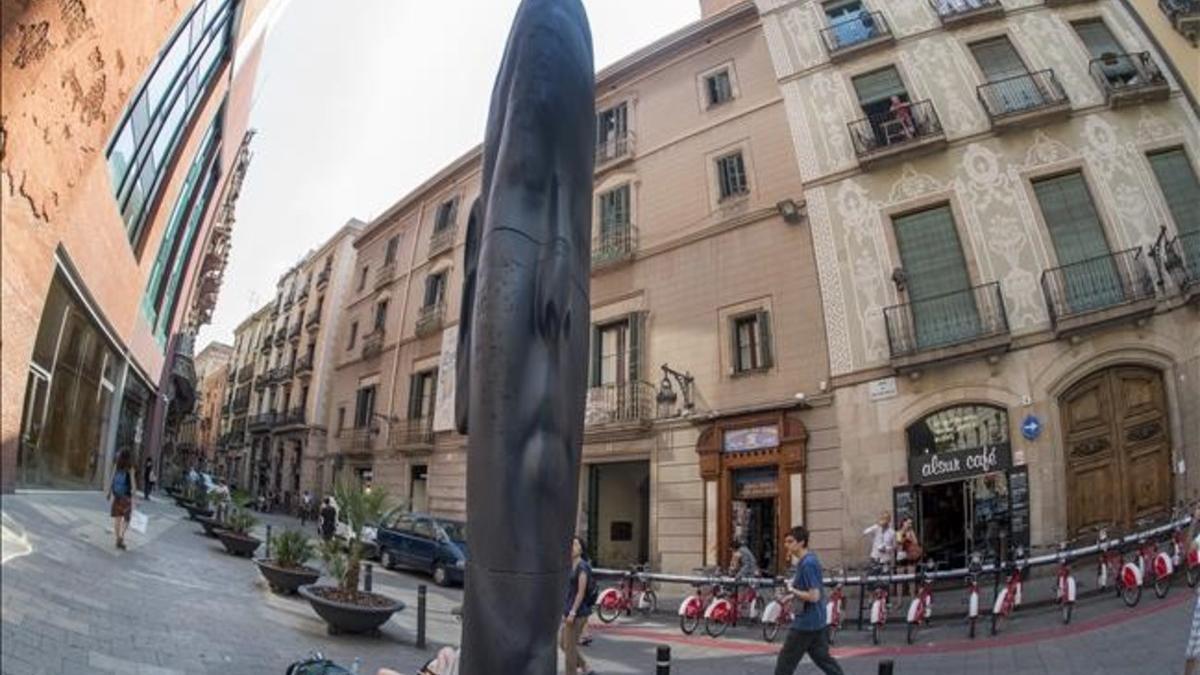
808,634
328,523
147,470
120,492
581,595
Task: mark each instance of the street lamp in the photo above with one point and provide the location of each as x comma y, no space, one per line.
666,393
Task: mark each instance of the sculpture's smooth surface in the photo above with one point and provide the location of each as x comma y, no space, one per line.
522,369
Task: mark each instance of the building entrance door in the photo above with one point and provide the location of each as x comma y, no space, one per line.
418,489
618,508
755,517
1117,445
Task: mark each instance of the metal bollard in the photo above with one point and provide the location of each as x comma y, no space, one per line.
421,592
268,542
885,667
367,570
663,660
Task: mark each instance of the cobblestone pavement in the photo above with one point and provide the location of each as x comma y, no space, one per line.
176,603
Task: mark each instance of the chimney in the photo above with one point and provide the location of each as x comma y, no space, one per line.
713,7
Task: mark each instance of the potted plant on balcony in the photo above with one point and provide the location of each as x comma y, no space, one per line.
286,571
236,536
345,608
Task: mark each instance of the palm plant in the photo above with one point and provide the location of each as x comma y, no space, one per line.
292,549
240,521
359,506
334,558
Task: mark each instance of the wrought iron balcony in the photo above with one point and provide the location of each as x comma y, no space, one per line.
954,13
294,332
430,318
1127,79
241,404
384,274
303,294
856,34
1183,263
948,326
1098,290
262,421
613,148
1184,15
245,374
411,434
620,405
1024,99
357,440
615,244
265,346
281,335
294,417
913,128
304,365
372,343
313,321
323,277
442,239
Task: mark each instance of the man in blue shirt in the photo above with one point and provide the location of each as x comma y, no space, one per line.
808,634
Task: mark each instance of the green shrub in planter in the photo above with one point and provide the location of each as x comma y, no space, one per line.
291,548
334,558
240,522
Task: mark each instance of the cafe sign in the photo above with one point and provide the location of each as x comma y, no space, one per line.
942,466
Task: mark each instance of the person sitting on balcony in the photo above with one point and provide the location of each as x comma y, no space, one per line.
902,113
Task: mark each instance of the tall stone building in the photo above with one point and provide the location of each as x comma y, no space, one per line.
1004,205
235,454
707,420
296,351
212,369
121,132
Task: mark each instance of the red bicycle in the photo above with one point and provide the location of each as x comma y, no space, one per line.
879,603
633,592
691,609
727,609
920,610
1009,597
1064,584
1186,554
778,613
974,571
1149,563
835,607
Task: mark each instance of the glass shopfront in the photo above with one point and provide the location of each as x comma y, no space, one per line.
69,396
961,494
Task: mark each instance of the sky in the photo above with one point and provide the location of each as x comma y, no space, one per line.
360,101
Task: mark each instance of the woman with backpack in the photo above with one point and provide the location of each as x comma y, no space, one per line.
581,596
908,553
120,491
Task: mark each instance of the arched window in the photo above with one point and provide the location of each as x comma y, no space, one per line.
958,428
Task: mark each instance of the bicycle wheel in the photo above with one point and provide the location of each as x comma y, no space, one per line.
688,624
648,604
1161,586
1131,595
714,627
608,613
1193,575
771,631
875,631
912,632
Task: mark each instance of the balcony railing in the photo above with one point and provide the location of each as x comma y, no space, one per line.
294,332
907,128
245,374
614,244
241,405
856,34
372,343
357,440
384,274
323,277
281,335
955,13
262,421
620,404
442,239
416,433
302,295
968,317
1183,261
265,345
289,300
430,318
304,364
615,147
313,321
1129,78
294,417
1081,292
1023,97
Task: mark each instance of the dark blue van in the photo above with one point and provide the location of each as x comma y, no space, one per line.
418,541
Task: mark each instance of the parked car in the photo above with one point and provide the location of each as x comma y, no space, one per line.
370,549
419,541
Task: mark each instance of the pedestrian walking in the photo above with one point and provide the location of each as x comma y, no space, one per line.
908,551
808,634
581,596
305,507
883,541
146,469
120,492
328,522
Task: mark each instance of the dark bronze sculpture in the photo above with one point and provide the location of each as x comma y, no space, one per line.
523,340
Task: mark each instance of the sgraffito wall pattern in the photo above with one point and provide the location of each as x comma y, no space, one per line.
985,176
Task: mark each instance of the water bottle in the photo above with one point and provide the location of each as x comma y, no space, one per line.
357,663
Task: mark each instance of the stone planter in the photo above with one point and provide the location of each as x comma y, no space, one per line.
285,580
241,545
343,617
211,526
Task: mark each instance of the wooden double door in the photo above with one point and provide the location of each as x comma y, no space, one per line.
1118,449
